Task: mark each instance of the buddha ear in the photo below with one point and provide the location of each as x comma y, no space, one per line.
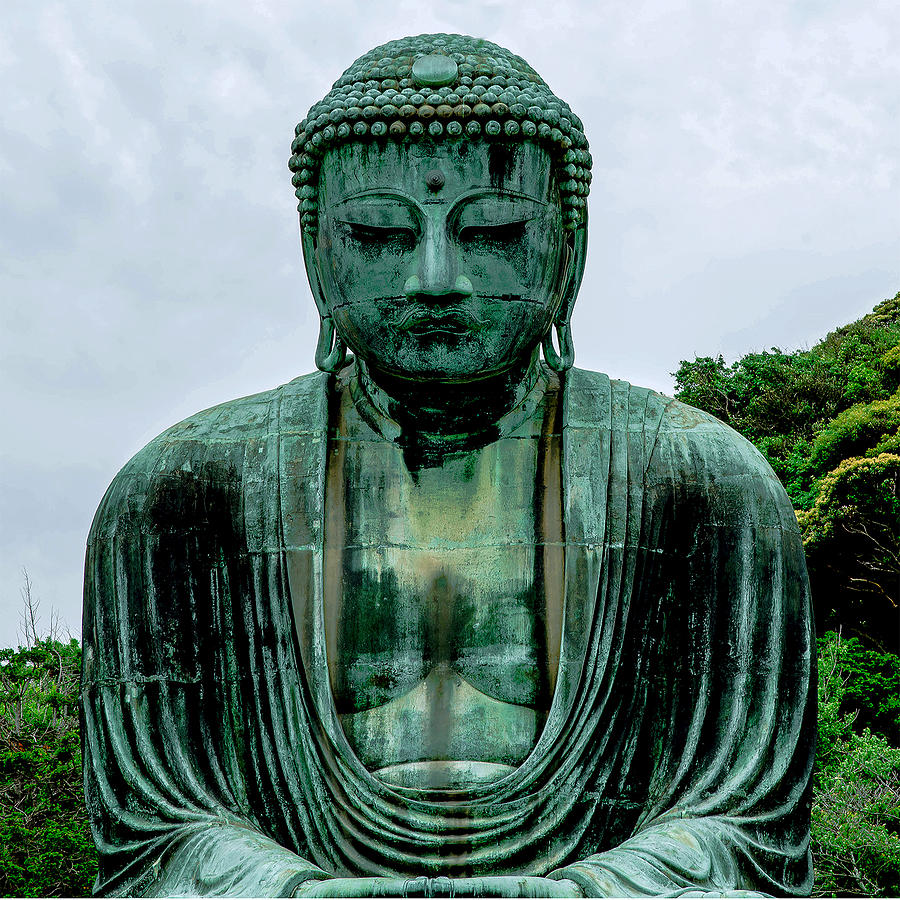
571,270
331,351
309,244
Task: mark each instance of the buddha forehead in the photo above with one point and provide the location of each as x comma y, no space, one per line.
436,171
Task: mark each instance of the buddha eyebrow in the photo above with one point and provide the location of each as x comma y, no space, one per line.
494,194
377,194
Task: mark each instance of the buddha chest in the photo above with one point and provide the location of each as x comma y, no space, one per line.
443,600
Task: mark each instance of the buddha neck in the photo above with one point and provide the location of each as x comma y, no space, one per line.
432,419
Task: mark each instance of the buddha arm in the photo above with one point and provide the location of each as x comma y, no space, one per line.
729,719
161,828
164,702
689,857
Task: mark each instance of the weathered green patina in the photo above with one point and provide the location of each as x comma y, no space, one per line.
447,618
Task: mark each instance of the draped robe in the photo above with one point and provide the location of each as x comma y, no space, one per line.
678,749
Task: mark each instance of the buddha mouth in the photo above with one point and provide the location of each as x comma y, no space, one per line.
452,320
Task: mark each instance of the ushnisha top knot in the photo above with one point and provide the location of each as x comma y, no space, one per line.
447,86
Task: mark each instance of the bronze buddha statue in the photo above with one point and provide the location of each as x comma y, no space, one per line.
449,617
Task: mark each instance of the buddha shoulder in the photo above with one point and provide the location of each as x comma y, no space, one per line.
210,453
677,450
702,462
700,439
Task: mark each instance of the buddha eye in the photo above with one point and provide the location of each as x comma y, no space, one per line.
494,233
374,237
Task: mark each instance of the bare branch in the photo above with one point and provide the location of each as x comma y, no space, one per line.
29,615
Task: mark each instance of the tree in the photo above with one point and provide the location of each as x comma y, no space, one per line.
852,539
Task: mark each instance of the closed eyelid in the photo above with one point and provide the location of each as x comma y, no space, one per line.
394,210
377,215
493,220
360,222
528,208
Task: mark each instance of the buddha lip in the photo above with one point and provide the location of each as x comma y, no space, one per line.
443,326
451,320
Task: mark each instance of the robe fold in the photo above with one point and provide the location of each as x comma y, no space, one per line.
677,753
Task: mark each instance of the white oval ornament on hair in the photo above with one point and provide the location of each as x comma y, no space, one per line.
434,70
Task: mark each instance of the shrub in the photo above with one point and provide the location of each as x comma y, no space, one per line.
853,432
856,802
852,538
46,847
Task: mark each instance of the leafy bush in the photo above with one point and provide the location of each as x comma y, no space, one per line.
854,432
852,540
856,802
46,848
784,402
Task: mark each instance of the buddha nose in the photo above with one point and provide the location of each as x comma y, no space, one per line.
438,274
461,286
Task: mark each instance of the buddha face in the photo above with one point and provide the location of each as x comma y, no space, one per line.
440,260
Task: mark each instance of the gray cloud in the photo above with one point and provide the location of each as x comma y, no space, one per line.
745,195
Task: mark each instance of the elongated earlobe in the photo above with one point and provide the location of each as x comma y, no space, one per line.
564,359
571,272
331,351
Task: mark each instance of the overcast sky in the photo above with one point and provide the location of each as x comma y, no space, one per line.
745,195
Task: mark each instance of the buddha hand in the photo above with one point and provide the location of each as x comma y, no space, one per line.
487,886
715,895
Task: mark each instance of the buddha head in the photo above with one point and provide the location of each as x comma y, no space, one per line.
443,214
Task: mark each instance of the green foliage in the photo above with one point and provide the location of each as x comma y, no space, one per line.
46,847
856,431
852,531
856,802
869,688
890,363
770,396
